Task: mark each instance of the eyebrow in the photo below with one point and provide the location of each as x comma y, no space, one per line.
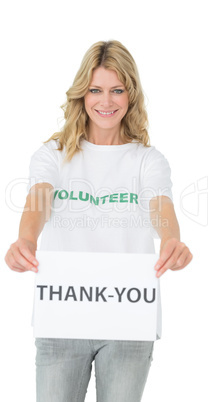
116,86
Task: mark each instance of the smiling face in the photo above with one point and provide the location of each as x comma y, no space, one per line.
106,101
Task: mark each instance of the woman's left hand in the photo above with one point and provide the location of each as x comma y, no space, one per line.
174,255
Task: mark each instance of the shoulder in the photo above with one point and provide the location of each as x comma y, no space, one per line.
49,151
149,153
153,161
49,147
152,154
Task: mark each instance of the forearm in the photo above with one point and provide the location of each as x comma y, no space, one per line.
36,213
163,219
31,225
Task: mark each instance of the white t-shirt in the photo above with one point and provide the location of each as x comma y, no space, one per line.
101,197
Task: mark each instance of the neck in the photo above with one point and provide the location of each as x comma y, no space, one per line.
101,136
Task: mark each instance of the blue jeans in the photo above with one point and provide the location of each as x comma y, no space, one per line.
63,369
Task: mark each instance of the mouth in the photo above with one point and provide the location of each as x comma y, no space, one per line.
106,113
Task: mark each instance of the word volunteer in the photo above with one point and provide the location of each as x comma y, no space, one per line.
83,196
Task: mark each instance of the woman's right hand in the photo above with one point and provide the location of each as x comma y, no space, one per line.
21,256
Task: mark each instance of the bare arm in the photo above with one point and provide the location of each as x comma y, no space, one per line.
21,254
174,254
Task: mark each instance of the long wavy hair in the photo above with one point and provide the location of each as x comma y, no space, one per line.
134,125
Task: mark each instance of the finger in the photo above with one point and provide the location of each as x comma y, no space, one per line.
14,264
165,254
161,271
185,263
184,259
24,250
177,259
22,261
18,270
10,261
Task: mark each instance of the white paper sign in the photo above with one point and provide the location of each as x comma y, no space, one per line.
96,296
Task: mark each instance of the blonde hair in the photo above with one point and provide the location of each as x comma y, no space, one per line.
114,56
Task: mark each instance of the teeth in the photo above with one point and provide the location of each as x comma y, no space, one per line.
105,112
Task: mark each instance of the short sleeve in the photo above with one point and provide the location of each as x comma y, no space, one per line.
157,175
156,180
44,165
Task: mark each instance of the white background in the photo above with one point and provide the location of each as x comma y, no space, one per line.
43,43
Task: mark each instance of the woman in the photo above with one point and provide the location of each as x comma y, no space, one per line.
99,186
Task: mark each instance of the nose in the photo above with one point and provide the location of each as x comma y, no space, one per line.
106,99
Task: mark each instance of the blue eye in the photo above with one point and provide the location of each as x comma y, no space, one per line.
118,91
97,91
94,91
